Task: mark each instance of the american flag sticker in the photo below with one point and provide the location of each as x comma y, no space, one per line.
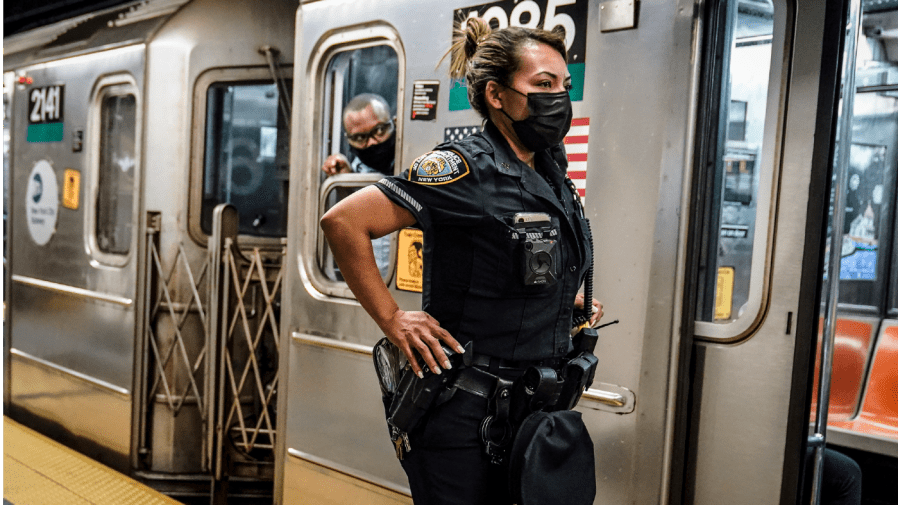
575,144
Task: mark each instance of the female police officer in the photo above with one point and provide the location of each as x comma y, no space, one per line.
511,293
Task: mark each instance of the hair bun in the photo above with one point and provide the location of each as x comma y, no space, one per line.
477,31
464,44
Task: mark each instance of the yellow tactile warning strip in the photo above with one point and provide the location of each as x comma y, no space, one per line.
39,471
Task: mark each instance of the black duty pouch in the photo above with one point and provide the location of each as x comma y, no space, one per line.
577,375
409,397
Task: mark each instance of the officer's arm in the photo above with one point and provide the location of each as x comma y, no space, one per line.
349,227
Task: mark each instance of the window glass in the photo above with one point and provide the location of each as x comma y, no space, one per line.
118,159
877,52
360,130
735,151
246,157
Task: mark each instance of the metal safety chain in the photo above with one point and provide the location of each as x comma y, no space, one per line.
176,306
247,341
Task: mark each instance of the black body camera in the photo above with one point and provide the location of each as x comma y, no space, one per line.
540,247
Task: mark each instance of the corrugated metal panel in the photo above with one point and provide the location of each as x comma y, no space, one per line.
130,23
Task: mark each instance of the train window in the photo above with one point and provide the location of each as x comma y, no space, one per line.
246,157
358,144
877,51
869,266
736,160
116,173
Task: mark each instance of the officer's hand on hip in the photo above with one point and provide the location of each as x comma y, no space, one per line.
597,310
416,333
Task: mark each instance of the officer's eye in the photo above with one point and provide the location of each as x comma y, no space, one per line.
568,86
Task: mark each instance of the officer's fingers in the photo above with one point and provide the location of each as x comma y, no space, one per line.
446,337
598,311
424,350
438,352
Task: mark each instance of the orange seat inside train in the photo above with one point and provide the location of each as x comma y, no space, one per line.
879,412
851,350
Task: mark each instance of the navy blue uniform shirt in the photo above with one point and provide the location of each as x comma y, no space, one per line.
464,195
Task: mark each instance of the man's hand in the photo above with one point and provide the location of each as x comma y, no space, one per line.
597,309
336,164
417,333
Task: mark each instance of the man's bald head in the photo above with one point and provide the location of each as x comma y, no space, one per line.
379,106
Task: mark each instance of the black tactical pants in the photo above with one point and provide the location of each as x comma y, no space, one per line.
447,464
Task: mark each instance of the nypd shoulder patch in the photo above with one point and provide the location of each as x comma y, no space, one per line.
438,167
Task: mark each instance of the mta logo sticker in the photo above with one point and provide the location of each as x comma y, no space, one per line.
438,167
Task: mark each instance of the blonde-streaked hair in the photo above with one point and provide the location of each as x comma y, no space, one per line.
481,55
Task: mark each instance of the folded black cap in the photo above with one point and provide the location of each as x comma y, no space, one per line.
552,460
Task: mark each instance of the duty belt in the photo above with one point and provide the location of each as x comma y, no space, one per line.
494,363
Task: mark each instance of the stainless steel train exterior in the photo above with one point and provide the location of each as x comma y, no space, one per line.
181,327
109,195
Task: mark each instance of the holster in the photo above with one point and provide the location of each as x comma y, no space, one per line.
409,396
414,396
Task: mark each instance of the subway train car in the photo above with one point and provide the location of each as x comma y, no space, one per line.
702,144
173,309
128,126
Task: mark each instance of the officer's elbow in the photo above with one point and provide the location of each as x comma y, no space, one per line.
330,222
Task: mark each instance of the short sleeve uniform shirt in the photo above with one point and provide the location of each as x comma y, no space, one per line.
465,195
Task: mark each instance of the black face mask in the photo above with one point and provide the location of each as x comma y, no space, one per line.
379,156
549,120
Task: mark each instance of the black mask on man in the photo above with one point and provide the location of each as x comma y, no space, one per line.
549,120
379,156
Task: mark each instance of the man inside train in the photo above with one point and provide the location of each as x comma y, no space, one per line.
370,130
371,133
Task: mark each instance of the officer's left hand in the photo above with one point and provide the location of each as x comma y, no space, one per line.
597,311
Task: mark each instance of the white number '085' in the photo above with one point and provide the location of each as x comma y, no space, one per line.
553,19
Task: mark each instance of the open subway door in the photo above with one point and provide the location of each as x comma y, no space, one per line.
684,115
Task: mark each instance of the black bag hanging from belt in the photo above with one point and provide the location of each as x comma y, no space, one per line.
552,461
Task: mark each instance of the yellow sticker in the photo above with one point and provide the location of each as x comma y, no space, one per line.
410,260
71,190
723,302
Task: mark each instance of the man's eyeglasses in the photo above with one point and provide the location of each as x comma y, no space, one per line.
378,133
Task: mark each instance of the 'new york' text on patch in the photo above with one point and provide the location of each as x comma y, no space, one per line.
438,167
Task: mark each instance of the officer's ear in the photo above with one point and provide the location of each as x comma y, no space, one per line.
492,94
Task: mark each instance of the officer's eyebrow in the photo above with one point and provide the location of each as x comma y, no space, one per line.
567,77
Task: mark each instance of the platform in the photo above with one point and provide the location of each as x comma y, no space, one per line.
40,471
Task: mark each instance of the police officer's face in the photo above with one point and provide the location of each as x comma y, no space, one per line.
542,70
365,128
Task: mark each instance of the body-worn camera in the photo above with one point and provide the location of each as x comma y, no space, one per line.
539,238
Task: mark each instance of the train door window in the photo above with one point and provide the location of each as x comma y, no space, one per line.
114,125
869,262
743,65
359,129
245,159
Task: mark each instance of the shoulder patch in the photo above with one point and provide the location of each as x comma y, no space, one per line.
438,167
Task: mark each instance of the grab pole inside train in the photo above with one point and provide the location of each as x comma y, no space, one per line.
840,169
